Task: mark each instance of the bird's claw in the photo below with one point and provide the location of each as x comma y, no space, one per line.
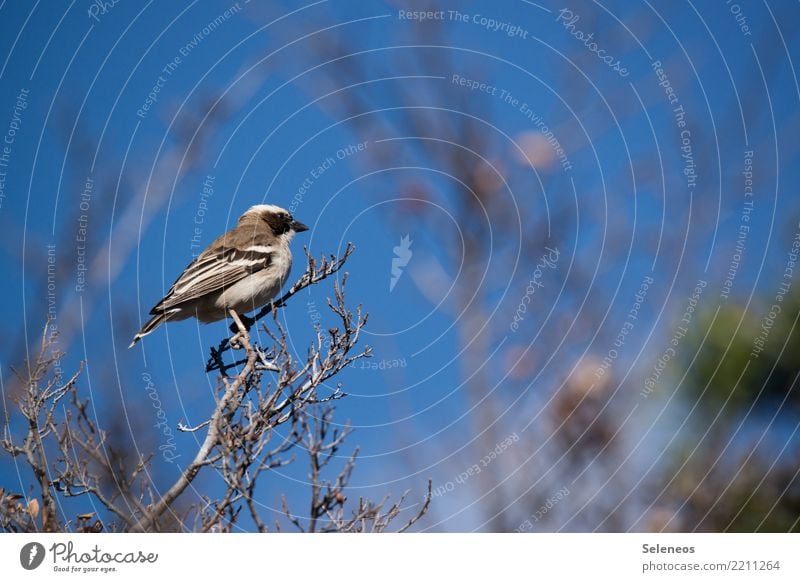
235,341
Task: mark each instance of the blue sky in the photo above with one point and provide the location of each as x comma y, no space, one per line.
89,79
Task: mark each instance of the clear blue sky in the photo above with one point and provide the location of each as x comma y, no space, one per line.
85,75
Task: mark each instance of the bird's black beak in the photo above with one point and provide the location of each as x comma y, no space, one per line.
298,226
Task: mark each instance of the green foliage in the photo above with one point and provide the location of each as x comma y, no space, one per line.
744,496
745,366
745,359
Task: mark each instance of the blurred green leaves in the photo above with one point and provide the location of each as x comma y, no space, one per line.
745,361
741,366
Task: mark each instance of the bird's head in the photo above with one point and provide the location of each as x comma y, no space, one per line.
280,221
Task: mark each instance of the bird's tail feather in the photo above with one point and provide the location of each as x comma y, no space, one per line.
148,327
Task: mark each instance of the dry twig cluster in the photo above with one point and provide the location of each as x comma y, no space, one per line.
265,390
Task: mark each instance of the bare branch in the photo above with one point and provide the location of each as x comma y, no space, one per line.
240,444
316,271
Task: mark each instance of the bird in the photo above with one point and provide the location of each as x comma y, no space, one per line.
241,270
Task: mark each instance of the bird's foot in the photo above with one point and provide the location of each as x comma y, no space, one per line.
240,328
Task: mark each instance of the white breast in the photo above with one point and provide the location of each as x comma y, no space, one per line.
259,288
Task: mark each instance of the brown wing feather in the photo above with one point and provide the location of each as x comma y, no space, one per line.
214,270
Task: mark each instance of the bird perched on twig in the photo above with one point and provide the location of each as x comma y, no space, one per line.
241,271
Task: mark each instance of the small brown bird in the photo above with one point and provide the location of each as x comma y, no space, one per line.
241,270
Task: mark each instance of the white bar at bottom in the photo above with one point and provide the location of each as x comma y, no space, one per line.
412,557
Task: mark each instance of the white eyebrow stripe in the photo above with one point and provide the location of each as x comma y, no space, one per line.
259,249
